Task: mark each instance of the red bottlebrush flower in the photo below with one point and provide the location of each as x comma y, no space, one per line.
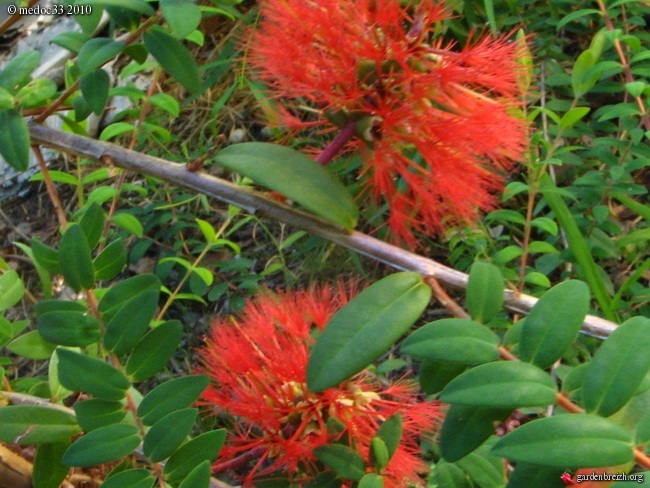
436,126
258,365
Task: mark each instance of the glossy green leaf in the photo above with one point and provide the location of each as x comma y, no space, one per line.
129,324
124,291
129,223
466,428
155,349
453,340
115,130
554,323
17,70
96,52
199,477
32,345
379,456
36,93
46,256
182,16
94,87
47,306
174,58
99,378
618,368
95,413
390,431
342,460
130,478
190,455
165,102
449,475
75,259
171,396
365,328
527,476
110,262
43,274
483,468
102,445
573,116
502,384
583,78
168,433
371,480
72,41
69,328
14,139
567,441
49,471
33,424
296,176
435,375
484,292
12,289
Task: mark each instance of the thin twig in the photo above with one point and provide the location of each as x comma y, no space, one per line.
51,188
253,201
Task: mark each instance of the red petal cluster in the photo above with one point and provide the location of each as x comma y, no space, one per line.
439,124
258,365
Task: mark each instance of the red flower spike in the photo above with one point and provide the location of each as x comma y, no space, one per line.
258,363
441,120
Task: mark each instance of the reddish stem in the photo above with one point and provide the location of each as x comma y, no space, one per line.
334,147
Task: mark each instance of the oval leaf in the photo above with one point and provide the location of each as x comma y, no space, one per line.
48,469
96,52
33,424
504,384
365,328
100,379
554,323
199,476
181,15
111,260
296,176
124,291
131,478
342,460
174,58
618,368
94,87
567,441
171,396
484,292
153,352
69,328
14,139
103,445
200,449
130,322
75,259
453,340
12,289
168,433
95,413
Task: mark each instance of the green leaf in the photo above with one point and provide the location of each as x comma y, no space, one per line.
72,41
99,379
49,471
342,460
33,424
296,176
466,428
171,396
199,477
371,480
573,116
153,352
449,475
124,291
17,71
12,289
618,368
365,328
108,264
95,413
168,433
138,6
36,93
69,328
96,52
484,292
174,58
378,454
633,479
435,375
129,223
94,87
130,478
583,78
129,324
115,130
503,384
390,431
527,476
181,15
197,451
14,139
46,256
453,340
483,468
32,345
578,246
75,259
102,445
165,102
567,441
554,323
